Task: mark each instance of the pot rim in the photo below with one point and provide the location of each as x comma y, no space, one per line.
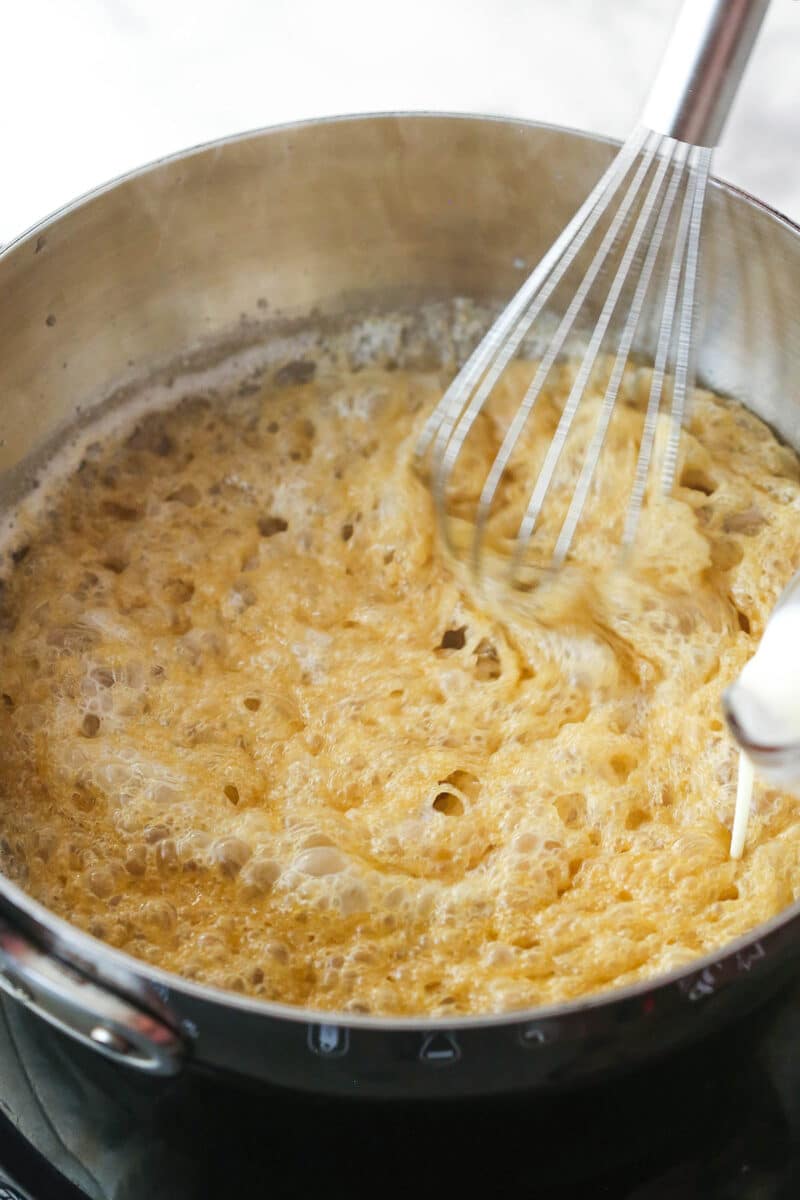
67,939
259,131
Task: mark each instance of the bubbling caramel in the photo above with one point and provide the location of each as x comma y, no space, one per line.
258,730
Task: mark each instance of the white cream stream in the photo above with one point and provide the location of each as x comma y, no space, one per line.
765,704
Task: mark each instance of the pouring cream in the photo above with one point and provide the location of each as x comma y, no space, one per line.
762,708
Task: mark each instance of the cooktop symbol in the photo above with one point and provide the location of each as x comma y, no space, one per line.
532,1036
696,987
328,1041
440,1049
750,955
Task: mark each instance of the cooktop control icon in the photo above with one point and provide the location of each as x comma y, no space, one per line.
328,1041
440,1049
532,1035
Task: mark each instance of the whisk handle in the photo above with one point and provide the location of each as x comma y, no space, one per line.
702,68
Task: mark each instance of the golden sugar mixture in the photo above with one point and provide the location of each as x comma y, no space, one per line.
257,730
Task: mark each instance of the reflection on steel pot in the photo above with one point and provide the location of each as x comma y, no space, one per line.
225,246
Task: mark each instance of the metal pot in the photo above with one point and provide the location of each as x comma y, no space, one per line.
338,215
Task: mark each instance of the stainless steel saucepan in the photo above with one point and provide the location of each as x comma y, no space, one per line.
350,215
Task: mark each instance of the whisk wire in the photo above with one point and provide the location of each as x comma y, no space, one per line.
554,450
448,426
647,174
557,341
443,419
699,168
663,347
590,463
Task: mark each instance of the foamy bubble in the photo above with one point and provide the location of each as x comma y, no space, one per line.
322,860
230,854
105,623
160,914
100,882
194,845
352,898
277,952
498,955
259,874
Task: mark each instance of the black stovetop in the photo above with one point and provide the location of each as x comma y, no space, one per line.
721,1120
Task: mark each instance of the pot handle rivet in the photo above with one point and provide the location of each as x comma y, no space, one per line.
110,1040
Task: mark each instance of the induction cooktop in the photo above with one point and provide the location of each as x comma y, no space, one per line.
721,1120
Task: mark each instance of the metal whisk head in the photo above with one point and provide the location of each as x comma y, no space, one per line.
653,192
628,259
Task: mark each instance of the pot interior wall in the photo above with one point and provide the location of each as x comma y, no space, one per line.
343,215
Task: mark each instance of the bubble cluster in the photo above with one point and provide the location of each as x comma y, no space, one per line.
258,731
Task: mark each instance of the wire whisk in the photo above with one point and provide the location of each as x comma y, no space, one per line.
634,248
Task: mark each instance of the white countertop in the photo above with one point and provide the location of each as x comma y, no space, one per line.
92,88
